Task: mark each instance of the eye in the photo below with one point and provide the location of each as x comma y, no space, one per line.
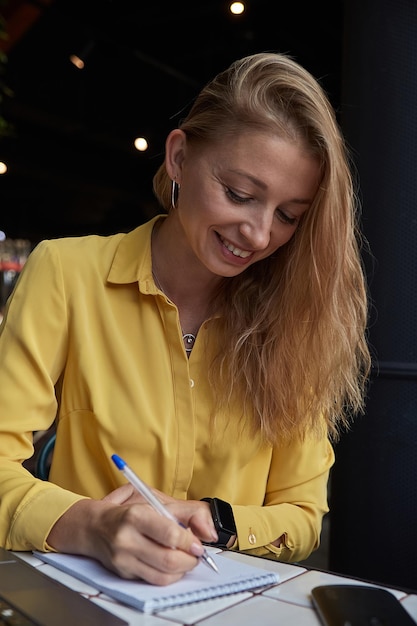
286,219
234,197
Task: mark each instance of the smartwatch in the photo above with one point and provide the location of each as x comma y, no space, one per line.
224,521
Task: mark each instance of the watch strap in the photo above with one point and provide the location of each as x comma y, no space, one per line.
223,534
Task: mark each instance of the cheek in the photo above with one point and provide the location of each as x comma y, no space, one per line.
281,236
194,200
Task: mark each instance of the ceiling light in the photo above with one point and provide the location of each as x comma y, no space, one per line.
237,8
141,144
79,59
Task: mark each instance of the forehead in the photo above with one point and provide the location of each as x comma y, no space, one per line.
254,149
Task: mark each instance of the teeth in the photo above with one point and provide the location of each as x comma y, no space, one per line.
236,251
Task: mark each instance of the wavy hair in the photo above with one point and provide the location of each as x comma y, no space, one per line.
292,326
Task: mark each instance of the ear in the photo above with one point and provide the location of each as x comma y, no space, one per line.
175,148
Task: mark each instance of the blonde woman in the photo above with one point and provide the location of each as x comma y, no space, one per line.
218,348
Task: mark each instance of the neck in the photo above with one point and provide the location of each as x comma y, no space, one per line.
182,280
177,272
191,316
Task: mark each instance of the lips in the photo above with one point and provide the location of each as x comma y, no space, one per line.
243,254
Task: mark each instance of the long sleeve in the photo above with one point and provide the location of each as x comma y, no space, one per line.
295,502
32,354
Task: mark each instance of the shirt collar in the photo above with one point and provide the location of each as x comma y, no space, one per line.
133,258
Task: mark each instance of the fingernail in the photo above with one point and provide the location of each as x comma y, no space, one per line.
214,535
196,549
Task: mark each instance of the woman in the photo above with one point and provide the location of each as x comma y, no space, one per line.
218,349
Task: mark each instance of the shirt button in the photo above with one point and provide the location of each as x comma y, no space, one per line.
251,537
191,383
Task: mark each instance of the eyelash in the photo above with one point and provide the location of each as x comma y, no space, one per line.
234,197
291,221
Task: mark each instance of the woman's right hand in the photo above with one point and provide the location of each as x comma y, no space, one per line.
132,539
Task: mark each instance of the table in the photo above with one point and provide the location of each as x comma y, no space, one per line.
287,603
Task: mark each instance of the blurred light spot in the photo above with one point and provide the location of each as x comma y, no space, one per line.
77,61
141,144
237,8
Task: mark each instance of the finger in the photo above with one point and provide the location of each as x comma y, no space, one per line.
158,553
157,565
196,515
120,495
138,521
126,494
166,532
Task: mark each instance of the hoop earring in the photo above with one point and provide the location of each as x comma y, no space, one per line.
175,188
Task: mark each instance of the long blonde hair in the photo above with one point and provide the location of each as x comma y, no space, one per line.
292,326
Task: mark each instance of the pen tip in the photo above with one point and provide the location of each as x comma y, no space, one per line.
211,562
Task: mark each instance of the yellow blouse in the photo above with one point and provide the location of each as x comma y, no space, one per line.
89,338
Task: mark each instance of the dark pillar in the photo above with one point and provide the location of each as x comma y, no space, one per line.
373,529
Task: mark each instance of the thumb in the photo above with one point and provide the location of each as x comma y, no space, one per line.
121,495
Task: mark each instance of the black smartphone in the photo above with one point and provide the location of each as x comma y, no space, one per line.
358,605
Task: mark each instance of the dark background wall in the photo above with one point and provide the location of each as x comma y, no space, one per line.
373,530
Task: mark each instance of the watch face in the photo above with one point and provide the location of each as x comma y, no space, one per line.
224,516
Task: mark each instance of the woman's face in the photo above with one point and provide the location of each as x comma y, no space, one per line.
241,199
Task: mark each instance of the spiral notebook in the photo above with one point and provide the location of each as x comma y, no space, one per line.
199,584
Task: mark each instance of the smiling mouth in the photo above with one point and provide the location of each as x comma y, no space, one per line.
243,254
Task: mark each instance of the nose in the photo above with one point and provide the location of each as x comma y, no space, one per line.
257,231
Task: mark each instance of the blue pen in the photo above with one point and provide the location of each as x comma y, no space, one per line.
153,500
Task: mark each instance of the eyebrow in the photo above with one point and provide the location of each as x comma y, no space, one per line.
253,179
264,187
